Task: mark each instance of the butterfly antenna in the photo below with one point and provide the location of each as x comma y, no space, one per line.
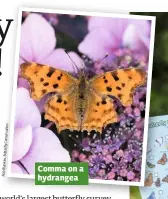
101,60
23,59
72,61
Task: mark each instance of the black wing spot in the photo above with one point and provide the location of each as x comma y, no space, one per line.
105,81
129,77
104,102
66,109
46,84
120,96
109,89
55,86
114,74
41,79
59,100
61,74
104,77
44,91
98,104
59,77
65,102
118,88
81,96
51,71
123,84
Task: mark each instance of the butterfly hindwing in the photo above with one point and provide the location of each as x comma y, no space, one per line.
44,79
120,83
60,109
100,112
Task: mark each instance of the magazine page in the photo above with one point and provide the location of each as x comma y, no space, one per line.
156,161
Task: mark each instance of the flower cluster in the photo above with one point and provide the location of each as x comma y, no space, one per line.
115,154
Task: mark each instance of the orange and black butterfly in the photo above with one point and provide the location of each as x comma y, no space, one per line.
81,103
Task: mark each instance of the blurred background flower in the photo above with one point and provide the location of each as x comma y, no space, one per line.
108,35
117,153
32,143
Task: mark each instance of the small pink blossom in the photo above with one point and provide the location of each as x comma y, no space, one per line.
137,112
110,175
123,172
75,154
130,175
108,158
101,172
120,153
136,180
82,157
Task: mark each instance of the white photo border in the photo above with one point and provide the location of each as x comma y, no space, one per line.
149,81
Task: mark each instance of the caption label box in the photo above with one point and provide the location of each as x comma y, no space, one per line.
56,173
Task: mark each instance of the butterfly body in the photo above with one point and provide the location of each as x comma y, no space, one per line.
78,103
82,94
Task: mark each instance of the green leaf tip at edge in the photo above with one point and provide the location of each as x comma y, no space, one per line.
135,193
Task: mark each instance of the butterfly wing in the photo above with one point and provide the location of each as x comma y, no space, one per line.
120,83
44,79
61,109
149,180
100,112
163,159
157,183
165,179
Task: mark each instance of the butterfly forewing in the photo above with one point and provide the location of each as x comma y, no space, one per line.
120,83
44,79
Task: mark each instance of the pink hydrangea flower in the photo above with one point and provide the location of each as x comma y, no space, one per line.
75,154
120,153
101,172
130,175
31,142
108,158
37,44
123,172
82,157
107,35
111,175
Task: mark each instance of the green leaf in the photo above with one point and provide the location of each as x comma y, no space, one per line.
150,165
135,193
